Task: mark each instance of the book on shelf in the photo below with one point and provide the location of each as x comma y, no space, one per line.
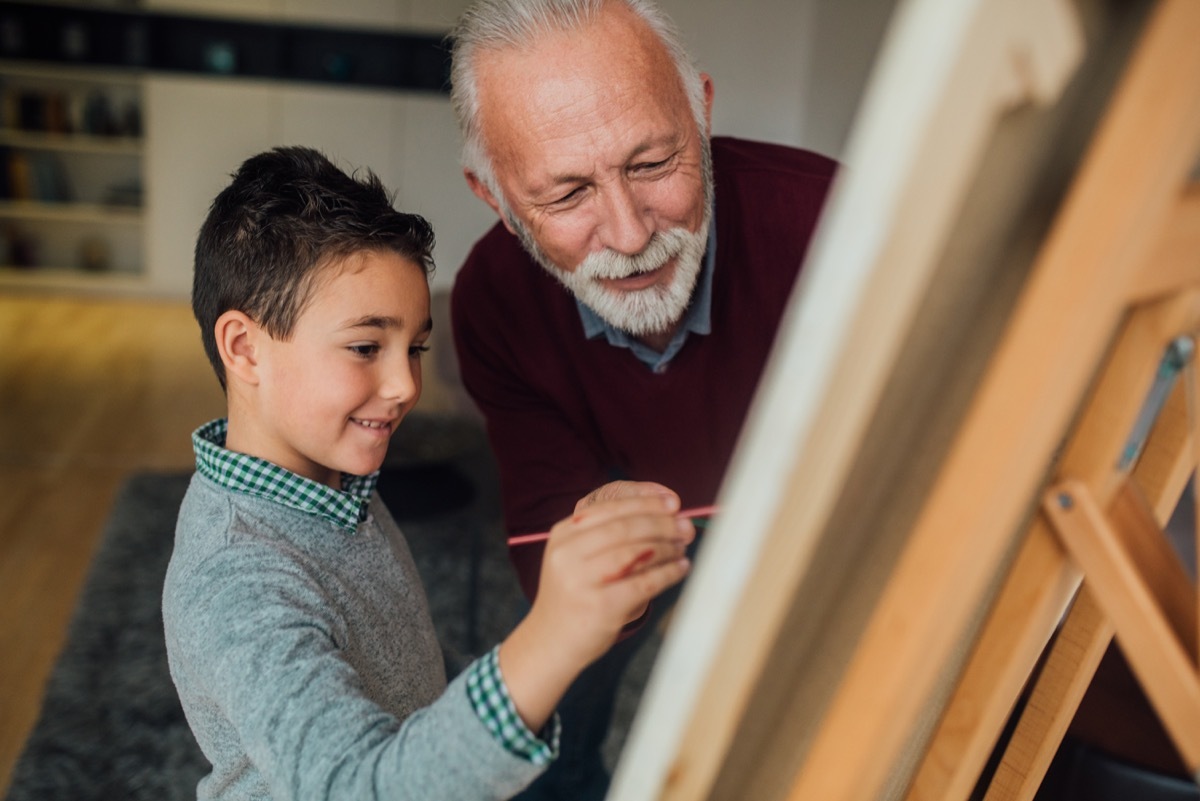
92,112
33,176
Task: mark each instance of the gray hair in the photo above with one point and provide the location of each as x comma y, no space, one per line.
496,24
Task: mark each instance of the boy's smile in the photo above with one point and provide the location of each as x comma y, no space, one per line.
327,399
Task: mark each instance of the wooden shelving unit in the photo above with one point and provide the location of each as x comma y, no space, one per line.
71,178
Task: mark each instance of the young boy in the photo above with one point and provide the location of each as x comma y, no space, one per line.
298,634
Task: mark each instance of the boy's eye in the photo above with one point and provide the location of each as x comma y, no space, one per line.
416,350
364,350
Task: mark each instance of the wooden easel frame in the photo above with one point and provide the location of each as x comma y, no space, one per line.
1043,580
861,721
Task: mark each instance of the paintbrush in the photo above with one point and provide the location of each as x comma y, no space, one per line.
699,516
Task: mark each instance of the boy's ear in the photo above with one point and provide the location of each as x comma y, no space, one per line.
237,336
483,193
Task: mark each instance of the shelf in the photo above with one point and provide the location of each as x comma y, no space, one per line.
72,143
73,153
69,212
56,279
57,73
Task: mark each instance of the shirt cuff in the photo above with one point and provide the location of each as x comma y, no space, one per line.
496,710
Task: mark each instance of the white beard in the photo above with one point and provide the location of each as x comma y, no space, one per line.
641,312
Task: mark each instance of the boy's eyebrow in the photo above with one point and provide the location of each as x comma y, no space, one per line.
385,321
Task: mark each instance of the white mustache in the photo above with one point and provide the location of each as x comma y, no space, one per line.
663,246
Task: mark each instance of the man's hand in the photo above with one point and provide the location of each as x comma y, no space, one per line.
624,489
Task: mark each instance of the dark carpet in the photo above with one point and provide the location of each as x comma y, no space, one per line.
111,726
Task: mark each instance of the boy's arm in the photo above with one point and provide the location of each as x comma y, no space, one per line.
262,654
601,567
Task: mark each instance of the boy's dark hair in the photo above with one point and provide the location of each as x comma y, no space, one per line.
286,214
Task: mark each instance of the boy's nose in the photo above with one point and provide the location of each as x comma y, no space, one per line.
402,381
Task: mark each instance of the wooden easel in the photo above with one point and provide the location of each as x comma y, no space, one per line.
874,598
1046,576
1100,516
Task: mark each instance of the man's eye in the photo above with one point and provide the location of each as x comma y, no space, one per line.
652,166
568,198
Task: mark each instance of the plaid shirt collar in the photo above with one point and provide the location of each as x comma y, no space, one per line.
250,475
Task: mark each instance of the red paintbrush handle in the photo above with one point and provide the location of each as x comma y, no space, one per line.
525,539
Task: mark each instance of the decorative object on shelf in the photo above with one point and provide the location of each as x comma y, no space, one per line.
125,194
19,249
95,255
98,116
130,121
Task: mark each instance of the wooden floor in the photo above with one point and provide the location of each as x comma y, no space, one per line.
90,391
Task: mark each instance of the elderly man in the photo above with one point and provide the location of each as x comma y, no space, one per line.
613,325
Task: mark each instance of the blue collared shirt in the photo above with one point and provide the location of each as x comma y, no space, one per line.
697,319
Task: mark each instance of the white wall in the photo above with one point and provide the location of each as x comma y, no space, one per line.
787,71
757,52
198,130
846,35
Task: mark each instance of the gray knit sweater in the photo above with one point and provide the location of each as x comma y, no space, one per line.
307,663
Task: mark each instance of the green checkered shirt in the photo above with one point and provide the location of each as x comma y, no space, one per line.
240,472
489,696
251,475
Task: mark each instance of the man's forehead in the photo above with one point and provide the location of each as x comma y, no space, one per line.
616,49
550,104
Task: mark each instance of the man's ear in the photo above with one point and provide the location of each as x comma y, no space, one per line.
483,193
707,82
237,336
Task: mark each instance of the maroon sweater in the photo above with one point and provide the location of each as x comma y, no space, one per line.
566,414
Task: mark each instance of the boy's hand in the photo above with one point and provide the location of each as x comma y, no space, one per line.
600,568
625,489
604,564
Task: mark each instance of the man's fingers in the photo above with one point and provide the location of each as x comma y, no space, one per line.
624,489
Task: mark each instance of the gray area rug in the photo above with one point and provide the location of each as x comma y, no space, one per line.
111,726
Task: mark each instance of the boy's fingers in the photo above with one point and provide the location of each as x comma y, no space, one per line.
624,521
622,562
645,584
619,541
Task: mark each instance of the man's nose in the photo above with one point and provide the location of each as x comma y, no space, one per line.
627,225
